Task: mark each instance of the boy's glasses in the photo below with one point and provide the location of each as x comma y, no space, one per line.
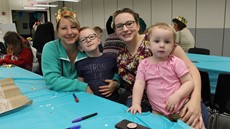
128,24
90,37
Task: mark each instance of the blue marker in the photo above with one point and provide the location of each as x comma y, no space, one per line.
84,117
75,127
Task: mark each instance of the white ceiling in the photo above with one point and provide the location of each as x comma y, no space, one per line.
50,1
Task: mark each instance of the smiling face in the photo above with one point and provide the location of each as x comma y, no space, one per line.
89,40
126,27
67,31
162,41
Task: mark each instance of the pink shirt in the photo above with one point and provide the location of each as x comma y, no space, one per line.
162,80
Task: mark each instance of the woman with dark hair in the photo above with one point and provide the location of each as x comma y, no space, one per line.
184,36
43,34
36,24
18,51
126,25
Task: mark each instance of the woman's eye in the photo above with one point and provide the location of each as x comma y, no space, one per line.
64,28
73,27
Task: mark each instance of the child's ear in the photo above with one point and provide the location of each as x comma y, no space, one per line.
99,40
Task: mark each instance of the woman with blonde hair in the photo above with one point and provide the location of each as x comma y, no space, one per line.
60,56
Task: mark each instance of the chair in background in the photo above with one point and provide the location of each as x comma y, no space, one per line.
43,34
196,50
39,56
2,48
220,116
222,95
205,89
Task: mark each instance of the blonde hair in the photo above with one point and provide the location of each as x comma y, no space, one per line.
161,25
87,27
71,19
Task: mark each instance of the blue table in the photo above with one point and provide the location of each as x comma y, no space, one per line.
56,110
212,64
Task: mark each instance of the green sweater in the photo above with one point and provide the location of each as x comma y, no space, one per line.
57,70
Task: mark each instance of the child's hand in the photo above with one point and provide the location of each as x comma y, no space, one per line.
10,50
135,108
172,103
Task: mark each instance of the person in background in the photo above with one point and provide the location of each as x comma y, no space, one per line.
113,44
126,26
99,33
184,36
18,51
142,26
164,76
36,24
98,67
43,34
109,28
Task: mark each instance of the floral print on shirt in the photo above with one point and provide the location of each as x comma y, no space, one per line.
127,64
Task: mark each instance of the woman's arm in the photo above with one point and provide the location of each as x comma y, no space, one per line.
52,71
192,110
108,89
113,84
184,91
88,89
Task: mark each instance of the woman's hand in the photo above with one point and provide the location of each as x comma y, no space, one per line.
108,89
191,114
10,50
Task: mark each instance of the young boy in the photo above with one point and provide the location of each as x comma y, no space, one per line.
98,67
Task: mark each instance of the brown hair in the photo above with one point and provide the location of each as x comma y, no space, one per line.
98,29
14,39
126,10
179,23
86,27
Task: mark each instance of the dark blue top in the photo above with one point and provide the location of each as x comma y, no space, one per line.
95,70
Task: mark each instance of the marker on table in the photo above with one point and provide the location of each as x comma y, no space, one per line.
84,117
75,127
75,98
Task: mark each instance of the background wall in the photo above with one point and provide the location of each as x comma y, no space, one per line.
209,20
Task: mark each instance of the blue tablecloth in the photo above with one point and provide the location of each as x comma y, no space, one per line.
56,110
212,64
